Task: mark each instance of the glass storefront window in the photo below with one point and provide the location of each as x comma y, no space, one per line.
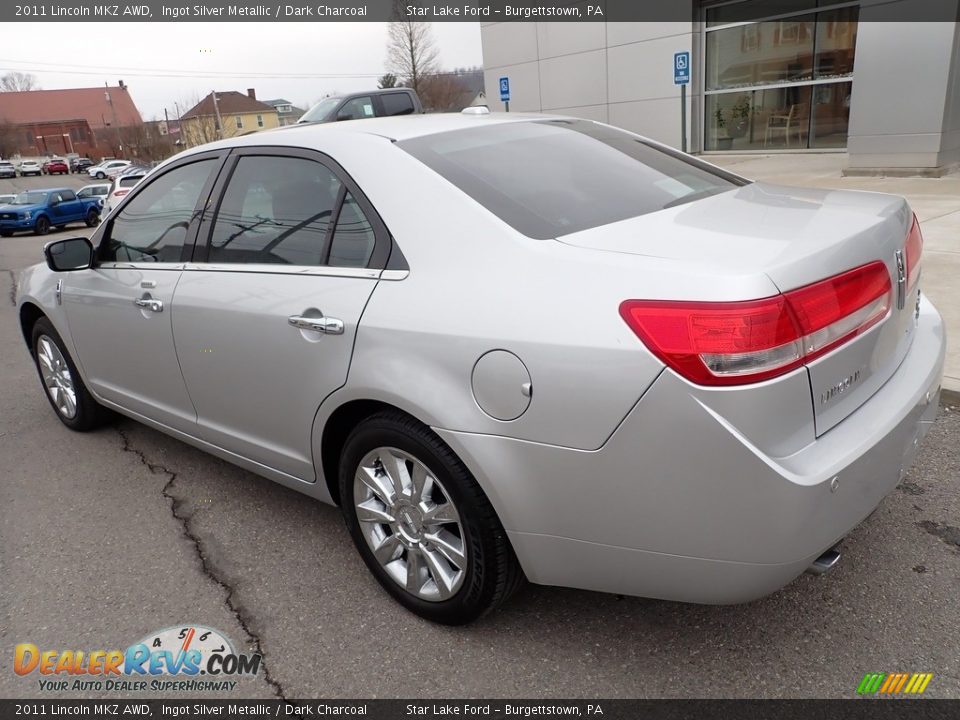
836,42
760,54
831,115
764,83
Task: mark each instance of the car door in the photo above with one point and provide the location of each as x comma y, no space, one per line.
265,316
65,207
119,310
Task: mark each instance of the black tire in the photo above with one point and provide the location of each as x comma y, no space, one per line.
42,226
89,413
100,176
93,217
6,233
493,572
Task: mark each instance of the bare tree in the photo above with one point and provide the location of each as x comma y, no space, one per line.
387,81
17,82
411,51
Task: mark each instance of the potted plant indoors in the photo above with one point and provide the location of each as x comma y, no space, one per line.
723,139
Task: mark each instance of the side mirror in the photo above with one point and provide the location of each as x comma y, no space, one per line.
70,254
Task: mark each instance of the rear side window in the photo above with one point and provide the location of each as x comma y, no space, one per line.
556,177
397,104
353,236
275,210
152,227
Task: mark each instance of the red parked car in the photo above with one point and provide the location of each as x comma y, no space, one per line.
56,166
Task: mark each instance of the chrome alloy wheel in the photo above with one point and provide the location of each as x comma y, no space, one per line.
410,523
56,377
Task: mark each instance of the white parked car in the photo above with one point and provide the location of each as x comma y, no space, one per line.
101,171
97,190
30,167
120,186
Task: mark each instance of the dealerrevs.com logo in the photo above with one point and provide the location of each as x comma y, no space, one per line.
188,658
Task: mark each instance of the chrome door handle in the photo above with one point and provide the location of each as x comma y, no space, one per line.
149,304
326,325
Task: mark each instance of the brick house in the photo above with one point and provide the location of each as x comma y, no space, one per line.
84,121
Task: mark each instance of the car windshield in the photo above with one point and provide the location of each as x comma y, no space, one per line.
320,110
556,177
30,198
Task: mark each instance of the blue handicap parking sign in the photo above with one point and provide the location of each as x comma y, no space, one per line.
504,89
681,68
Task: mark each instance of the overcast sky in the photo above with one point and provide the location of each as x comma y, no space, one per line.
237,56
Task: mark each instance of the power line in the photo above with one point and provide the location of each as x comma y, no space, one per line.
90,70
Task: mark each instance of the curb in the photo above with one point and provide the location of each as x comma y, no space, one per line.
949,397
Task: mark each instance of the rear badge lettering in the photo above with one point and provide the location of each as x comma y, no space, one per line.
840,388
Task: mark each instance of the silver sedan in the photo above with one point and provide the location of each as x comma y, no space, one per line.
511,347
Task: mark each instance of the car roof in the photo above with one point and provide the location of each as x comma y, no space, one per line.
396,127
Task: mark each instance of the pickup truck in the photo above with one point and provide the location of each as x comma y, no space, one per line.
37,210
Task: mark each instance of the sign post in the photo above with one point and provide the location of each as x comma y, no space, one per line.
681,77
505,92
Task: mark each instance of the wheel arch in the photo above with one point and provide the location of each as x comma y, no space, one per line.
336,430
29,314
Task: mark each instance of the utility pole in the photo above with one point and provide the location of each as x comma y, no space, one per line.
113,109
182,135
216,110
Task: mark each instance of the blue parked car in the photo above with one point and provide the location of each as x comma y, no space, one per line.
37,210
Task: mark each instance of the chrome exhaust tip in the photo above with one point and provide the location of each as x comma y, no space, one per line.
825,563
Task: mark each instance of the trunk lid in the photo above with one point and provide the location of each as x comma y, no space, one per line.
794,236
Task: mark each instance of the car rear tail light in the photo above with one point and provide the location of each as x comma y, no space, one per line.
735,343
912,252
120,193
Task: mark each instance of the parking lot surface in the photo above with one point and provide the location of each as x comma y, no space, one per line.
109,536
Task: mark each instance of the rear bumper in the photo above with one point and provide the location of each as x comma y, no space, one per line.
679,505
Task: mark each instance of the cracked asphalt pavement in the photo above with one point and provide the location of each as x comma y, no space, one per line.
108,536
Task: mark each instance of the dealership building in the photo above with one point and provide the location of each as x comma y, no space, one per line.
816,76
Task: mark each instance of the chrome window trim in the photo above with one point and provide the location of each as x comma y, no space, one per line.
271,269
138,266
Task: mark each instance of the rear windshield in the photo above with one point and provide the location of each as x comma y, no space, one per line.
555,177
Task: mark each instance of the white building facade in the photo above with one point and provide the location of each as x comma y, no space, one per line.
820,76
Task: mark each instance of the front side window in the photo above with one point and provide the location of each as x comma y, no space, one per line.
555,177
275,210
356,109
68,195
152,227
